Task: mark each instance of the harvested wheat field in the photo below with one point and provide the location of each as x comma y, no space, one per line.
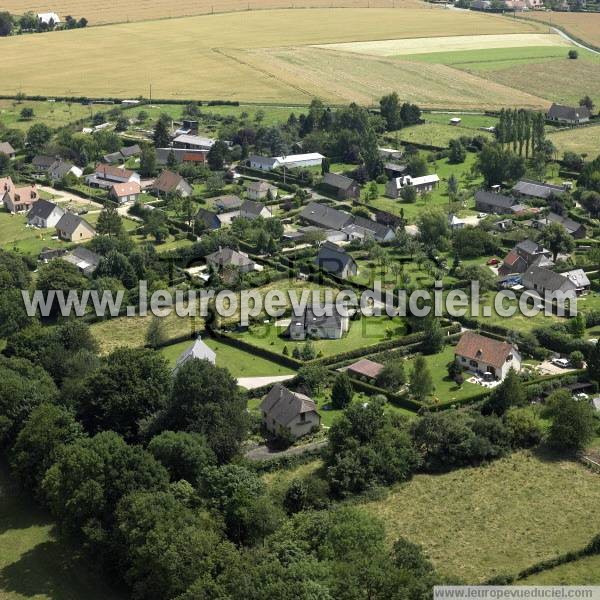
115,11
401,47
585,26
256,56
582,140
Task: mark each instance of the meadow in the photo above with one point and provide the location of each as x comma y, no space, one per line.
480,522
16,236
53,114
585,571
582,140
256,56
585,26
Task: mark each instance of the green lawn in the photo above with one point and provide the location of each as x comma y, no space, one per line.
445,389
34,564
585,571
239,362
14,235
53,114
432,134
470,122
363,333
476,523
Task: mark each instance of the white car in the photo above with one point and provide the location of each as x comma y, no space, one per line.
563,363
482,215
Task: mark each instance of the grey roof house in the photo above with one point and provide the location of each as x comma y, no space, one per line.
44,214
336,260
6,148
544,280
492,202
85,260
570,115
344,187
324,216
196,351
537,189
226,257
253,210
361,228
576,229
324,323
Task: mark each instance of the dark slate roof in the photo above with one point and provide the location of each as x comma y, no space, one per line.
493,199
112,158
253,208
43,161
84,254
128,151
389,166
568,113
530,247
42,209
339,182
333,258
569,224
325,216
228,256
227,202
537,189
69,223
284,406
378,230
60,168
209,218
547,279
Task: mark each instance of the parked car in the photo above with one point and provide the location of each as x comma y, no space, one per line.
563,363
493,262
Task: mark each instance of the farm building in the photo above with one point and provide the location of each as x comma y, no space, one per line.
344,187
169,182
180,156
323,322
336,260
73,228
48,18
289,413
44,214
196,351
364,368
390,153
421,184
482,354
569,115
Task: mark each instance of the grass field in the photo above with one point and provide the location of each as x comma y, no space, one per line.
14,235
234,57
53,114
585,26
496,519
585,571
239,362
34,565
435,134
468,120
583,140
113,11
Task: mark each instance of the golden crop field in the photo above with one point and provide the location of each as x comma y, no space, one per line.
116,11
585,26
256,56
582,140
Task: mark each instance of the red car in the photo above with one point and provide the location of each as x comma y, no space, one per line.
493,262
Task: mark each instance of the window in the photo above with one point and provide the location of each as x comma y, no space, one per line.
302,417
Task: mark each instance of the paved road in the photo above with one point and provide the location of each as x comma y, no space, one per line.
264,453
251,383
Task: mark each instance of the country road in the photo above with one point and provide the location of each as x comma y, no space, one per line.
265,453
574,42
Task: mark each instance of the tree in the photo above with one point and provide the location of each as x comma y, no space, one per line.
162,136
14,272
557,239
84,486
420,381
452,186
573,54
171,160
434,336
39,443
392,377
27,114
109,222
457,153
408,194
59,275
593,363
116,265
217,155
509,393
577,325
156,334
576,358
342,391
312,378
148,161
416,166
6,24
433,226
122,123
205,399
572,426
130,386
497,164
587,102
390,111
184,455
37,137
525,427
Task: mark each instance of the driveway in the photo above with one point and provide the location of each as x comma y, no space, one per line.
251,383
64,196
547,368
265,453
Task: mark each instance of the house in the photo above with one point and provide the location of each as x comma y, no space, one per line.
360,228
324,323
208,219
258,190
49,18
576,229
394,170
85,260
169,182
199,350
495,203
481,354
365,368
16,199
344,187
59,168
73,228
310,234
253,210
522,256
188,126
44,214
227,257
558,113
421,184
324,216
193,142
113,158
105,176
289,413
336,260
537,189
42,162
180,155
579,279
390,153
544,280
227,202
292,161
130,151
125,192
455,223
6,148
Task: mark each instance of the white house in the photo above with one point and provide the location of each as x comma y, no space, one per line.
482,354
289,413
44,214
198,350
49,18
421,184
292,161
105,176
193,142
